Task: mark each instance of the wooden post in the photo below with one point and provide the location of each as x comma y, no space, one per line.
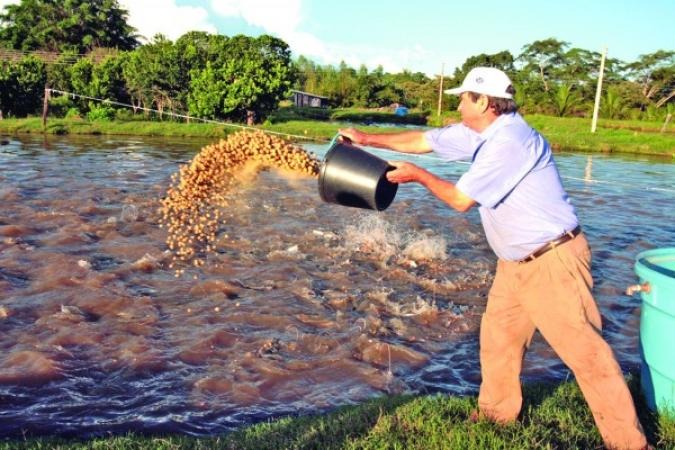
45,108
598,92
663,128
440,91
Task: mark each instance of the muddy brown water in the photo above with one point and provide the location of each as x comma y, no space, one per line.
304,306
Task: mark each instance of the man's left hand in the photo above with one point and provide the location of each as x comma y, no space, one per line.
405,172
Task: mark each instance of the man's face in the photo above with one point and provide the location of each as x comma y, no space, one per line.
471,111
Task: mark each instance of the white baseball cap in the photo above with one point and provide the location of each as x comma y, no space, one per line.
484,80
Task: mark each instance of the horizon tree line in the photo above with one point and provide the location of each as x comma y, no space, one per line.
88,47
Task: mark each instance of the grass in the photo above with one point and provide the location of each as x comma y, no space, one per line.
553,417
570,134
357,115
611,136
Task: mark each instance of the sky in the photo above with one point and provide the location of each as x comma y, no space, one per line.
420,35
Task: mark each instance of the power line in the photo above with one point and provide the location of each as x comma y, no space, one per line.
586,180
184,116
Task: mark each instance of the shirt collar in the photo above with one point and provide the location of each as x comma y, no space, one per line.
501,121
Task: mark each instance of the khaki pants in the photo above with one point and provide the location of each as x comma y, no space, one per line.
553,295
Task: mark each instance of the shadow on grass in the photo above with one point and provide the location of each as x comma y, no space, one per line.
539,401
554,416
330,431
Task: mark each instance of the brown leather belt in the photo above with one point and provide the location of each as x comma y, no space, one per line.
551,245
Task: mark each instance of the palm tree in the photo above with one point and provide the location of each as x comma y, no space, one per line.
613,105
564,99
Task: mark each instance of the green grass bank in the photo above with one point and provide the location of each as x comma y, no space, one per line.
554,417
569,134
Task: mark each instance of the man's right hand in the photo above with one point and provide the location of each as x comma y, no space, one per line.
354,135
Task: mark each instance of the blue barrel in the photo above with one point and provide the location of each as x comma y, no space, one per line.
656,270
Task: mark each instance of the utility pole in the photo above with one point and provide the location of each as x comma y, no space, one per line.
440,91
598,92
45,107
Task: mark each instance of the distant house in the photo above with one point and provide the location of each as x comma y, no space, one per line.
301,98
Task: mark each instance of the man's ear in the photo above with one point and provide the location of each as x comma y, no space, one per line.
483,103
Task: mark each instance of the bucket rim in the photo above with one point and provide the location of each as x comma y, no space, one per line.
643,259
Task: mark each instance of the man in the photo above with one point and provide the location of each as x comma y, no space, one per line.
543,278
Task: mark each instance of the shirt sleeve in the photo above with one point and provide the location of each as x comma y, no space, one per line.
454,142
498,167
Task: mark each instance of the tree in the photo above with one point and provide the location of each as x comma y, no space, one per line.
612,105
655,72
22,86
564,99
102,80
152,75
581,68
248,80
66,25
502,60
418,91
544,57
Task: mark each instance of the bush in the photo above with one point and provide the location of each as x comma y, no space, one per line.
124,114
60,106
73,113
286,114
101,113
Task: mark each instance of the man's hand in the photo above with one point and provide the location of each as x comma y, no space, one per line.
354,135
405,172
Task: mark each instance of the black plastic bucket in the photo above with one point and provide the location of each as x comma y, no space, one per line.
353,177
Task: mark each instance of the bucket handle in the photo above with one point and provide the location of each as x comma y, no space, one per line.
336,137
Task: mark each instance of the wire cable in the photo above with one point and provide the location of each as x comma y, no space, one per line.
187,117
334,139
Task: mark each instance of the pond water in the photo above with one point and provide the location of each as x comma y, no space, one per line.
304,306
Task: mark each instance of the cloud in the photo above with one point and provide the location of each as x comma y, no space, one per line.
279,17
150,17
284,18
4,3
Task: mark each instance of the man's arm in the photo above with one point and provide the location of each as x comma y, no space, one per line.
403,142
444,190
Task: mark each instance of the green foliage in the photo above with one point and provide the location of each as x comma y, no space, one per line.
73,113
543,58
103,79
371,116
251,77
655,74
101,113
236,78
66,25
22,86
298,113
147,73
60,105
564,100
612,105
502,60
346,87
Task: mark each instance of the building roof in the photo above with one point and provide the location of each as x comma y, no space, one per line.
308,93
